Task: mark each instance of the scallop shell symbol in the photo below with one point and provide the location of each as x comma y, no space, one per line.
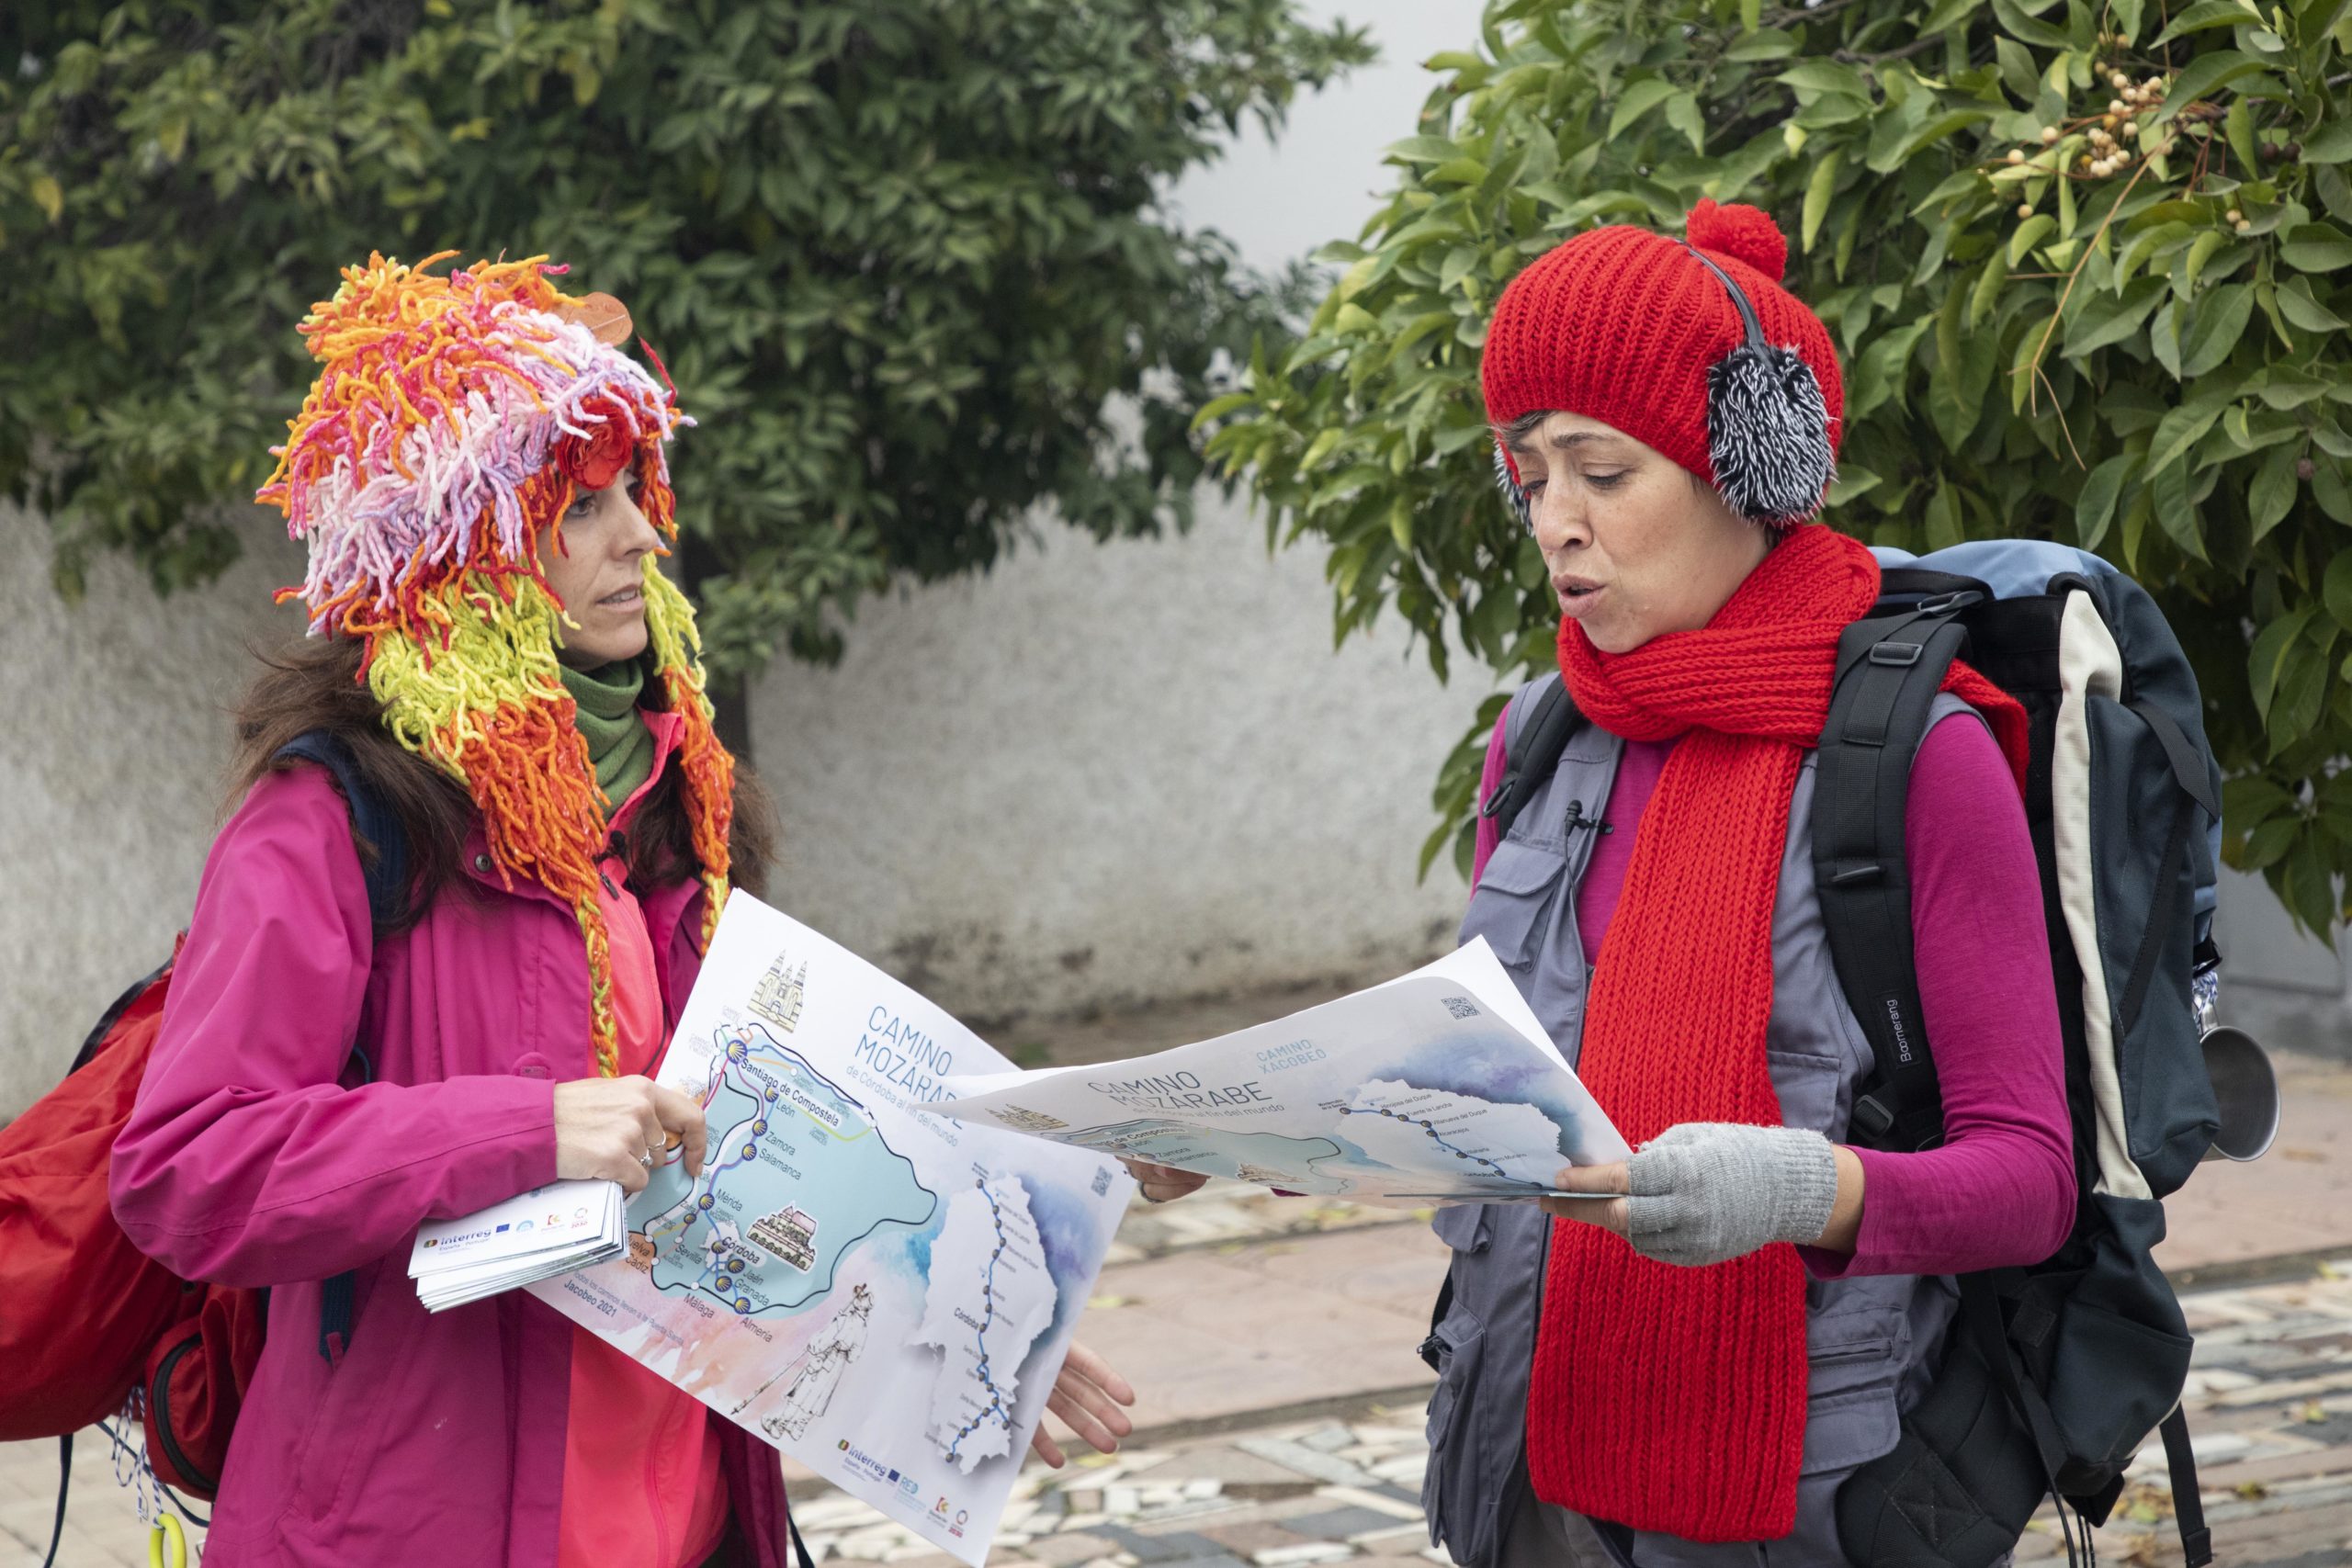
604,316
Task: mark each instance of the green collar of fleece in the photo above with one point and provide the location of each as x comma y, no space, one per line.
619,744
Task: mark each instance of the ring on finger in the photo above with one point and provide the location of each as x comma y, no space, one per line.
646,1159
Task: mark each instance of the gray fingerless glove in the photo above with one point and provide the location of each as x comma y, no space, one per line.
1708,1192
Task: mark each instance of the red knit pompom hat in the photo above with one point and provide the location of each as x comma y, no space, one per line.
1625,326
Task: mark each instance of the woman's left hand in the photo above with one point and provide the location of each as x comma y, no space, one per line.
1087,1396
1709,1191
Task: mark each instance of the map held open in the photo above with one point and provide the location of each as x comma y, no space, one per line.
1441,1085
881,1292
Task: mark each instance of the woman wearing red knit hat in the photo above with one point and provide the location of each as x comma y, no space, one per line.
1685,1372
1682,1372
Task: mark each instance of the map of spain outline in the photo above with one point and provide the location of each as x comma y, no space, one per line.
776,1118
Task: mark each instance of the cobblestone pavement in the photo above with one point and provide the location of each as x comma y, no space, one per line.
2270,1397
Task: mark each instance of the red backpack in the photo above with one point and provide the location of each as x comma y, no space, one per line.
90,1323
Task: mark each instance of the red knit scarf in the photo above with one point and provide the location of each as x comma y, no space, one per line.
1666,1398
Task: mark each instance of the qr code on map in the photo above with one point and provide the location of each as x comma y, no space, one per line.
1461,1007
1102,1182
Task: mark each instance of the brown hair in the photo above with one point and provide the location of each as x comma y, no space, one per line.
316,685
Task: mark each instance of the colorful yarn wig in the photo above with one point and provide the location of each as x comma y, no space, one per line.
454,420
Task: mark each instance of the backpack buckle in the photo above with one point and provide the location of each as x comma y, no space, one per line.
1896,653
1871,1116
1945,603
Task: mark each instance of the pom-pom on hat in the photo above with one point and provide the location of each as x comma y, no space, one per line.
1692,348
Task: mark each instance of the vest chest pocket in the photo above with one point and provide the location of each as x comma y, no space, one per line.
1515,894
1857,1343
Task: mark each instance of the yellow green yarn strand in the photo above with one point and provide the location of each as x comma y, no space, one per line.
710,770
481,699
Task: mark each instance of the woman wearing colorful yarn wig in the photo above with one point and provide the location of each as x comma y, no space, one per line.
479,476
1682,1368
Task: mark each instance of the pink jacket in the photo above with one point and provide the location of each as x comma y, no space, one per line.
256,1156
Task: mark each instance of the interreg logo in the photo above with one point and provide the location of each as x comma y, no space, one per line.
869,1464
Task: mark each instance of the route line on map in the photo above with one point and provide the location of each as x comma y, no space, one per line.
996,1406
735,1051
1429,1127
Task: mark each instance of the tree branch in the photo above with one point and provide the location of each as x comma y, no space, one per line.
1916,46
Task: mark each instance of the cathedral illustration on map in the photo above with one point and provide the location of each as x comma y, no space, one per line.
779,993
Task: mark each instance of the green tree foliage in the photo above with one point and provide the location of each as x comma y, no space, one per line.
899,253
2085,261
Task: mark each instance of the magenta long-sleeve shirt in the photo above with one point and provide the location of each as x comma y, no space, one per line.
2000,1190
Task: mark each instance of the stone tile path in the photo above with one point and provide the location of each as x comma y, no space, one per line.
2270,1398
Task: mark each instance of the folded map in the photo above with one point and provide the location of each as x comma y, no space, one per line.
1439,1086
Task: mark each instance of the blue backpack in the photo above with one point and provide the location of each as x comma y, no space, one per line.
2055,1373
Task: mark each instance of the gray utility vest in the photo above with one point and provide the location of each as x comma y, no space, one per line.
1873,1342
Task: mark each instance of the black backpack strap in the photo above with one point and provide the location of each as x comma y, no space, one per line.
113,1015
64,1483
373,819
1889,669
1897,583
1529,759
2188,1508
1431,1349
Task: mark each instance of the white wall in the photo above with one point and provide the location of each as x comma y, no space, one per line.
111,775
2281,987
1115,774
1280,200
1127,773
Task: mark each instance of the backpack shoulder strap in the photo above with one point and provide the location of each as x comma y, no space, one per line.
1889,669
372,818
1532,756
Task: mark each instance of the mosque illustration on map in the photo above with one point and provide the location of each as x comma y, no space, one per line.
787,1143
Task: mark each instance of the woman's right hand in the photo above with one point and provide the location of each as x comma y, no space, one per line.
1163,1183
606,1127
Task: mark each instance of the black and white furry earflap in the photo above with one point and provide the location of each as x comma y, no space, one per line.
1768,426
1514,494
